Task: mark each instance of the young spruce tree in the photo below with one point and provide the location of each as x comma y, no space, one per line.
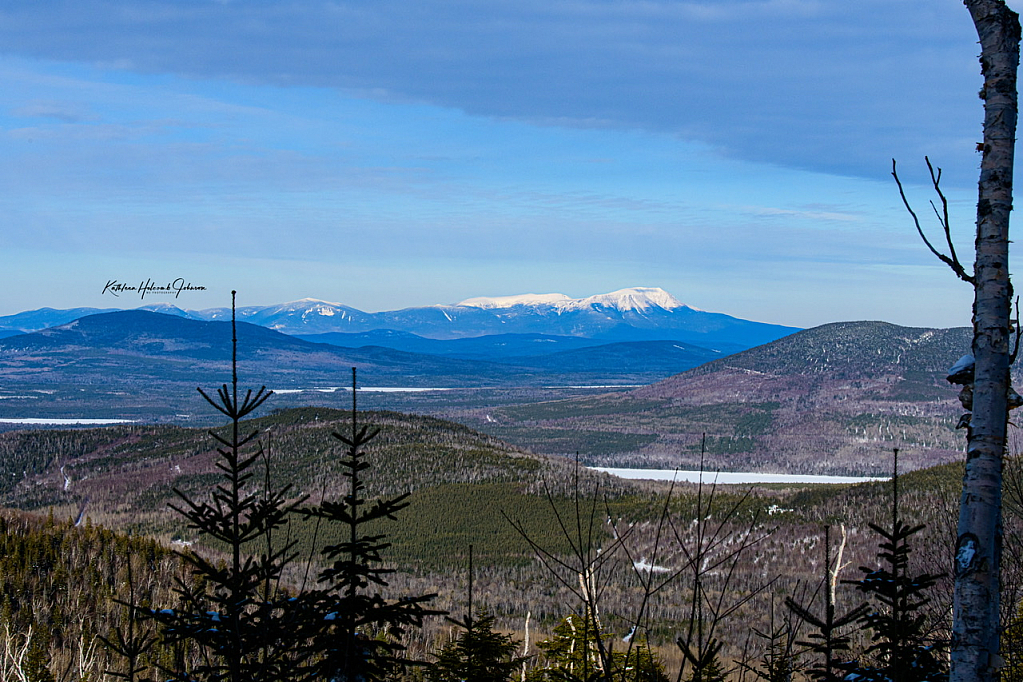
477,654
244,627
902,645
827,639
359,631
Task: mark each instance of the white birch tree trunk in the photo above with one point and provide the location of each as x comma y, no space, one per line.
975,628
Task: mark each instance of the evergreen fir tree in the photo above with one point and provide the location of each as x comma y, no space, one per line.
478,654
902,645
642,665
827,640
132,641
245,628
705,660
571,652
358,637
778,661
35,666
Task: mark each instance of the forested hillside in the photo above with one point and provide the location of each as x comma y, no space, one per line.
468,490
822,401
124,476
60,586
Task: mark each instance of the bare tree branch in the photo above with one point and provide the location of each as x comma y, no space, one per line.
953,261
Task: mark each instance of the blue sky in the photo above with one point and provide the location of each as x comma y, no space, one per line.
386,154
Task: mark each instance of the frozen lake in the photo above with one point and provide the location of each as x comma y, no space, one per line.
72,420
729,476
409,389
362,389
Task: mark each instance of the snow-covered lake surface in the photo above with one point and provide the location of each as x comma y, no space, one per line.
601,386
729,476
54,420
410,389
368,389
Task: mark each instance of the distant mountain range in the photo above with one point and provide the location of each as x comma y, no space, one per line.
636,314
833,399
149,347
139,364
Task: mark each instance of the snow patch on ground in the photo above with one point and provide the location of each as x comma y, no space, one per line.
644,565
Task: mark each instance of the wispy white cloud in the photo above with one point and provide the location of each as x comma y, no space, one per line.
740,11
66,112
808,214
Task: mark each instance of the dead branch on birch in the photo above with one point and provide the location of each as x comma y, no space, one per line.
951,260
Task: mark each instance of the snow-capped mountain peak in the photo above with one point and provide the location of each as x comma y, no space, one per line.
634,298
488,303
307,304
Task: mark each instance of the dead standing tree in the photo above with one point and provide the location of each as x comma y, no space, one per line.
978,552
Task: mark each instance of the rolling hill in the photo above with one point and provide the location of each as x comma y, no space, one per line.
124,476
834,399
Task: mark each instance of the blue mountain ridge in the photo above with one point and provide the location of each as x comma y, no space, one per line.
628,315
149,346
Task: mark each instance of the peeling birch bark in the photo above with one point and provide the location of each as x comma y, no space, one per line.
975,626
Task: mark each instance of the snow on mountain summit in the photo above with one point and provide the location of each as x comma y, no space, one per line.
634,298
511,301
